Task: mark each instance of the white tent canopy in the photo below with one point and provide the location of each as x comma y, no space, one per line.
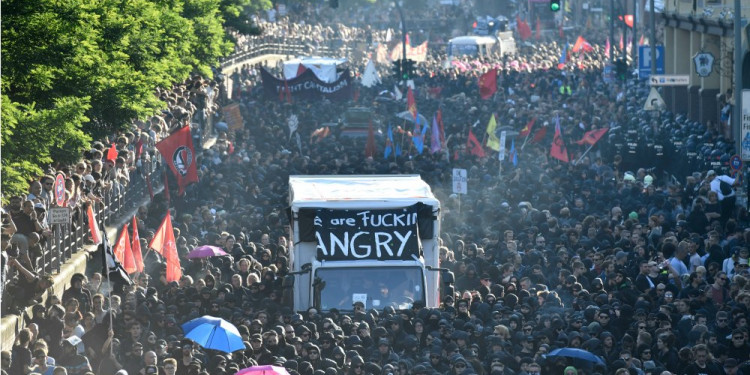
323,67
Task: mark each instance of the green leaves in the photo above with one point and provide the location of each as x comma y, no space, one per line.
77,69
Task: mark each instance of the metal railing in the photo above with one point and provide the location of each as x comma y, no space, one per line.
68,239
116,202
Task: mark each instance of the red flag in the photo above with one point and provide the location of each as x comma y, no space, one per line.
112,153
527,129
178,152
174,271
538,32
558,149
411,103
474,146
488,84
539,135
641,41
166,187
591,137
301,69
524,30
96,234
628,20
138,149
370,146
607,47
157,242
122,251
582,45
136,247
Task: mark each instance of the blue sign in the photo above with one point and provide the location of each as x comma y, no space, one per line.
735,162
644,60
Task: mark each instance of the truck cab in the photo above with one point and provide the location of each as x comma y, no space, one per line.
363,239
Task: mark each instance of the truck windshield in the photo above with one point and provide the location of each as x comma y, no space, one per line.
375,287
464,49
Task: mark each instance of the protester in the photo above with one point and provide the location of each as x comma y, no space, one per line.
608,252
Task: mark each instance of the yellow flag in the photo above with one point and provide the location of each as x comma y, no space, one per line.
493,141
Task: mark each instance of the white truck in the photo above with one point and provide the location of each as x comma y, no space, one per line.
363,238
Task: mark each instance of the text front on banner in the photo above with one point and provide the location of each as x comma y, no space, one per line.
367,234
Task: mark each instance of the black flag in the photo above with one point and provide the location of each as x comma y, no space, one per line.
110,266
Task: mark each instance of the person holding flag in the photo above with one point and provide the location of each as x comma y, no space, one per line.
493,142
179,154
558,149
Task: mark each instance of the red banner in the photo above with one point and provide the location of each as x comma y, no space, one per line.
96,234
591,137
558,149
178,152
474,146
122,248
488,84
527,129
136,247
524,30
411,103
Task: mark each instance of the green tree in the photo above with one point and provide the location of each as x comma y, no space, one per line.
74,70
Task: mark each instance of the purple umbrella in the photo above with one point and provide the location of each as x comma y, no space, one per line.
263,370
206,251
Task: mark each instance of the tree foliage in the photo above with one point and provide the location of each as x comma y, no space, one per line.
74,70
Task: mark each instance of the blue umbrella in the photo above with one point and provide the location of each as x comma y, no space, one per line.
214,333
576,353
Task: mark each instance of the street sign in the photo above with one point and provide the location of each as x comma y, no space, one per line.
59,215
60,190
459,181
669,80
735,162
654,101
704,63
644,60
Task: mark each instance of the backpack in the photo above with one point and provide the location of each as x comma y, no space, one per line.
726,189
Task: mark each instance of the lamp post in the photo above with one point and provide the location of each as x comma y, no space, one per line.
653,38
403,35
737,113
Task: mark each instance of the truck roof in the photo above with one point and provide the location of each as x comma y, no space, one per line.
341,191
473,40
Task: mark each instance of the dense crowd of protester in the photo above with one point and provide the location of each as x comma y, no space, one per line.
644,266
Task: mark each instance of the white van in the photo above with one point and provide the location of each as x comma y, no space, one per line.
482,46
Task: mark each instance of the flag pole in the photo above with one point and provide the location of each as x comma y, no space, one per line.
525,140
109,284
584,154
527,135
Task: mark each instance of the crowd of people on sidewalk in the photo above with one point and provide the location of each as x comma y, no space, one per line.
613,253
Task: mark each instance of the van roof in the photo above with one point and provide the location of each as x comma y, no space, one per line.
473,39
390,190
